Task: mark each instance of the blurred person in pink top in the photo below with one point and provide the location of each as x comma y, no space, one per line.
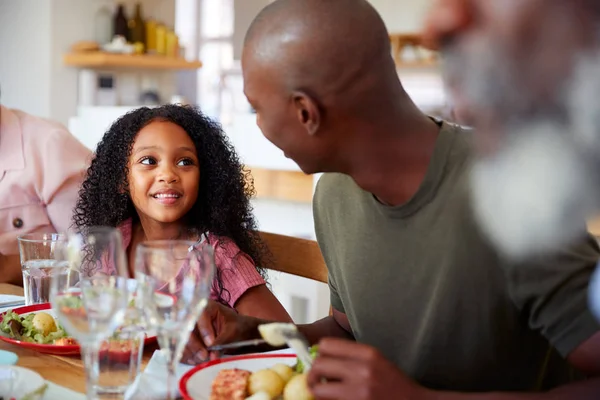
170,173
41,168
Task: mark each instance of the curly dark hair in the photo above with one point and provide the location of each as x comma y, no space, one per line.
223,206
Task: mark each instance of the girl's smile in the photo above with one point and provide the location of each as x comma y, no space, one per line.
164,173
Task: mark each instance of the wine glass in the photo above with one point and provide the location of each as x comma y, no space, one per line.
91,296
174,282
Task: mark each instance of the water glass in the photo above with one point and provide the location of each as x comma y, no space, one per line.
174,278
38,264
94,306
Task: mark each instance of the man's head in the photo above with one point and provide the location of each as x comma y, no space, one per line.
312,68
528,72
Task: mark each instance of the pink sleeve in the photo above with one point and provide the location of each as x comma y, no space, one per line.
64,163
237,271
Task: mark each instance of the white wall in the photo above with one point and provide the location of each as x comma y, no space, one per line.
34,36
403,15
25,48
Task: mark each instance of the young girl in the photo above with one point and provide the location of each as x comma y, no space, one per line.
170,173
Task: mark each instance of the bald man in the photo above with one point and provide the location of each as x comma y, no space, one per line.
423,306
528,72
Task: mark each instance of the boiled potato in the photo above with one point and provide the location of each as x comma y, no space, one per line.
44,323
297,389
284,371
259,396
266,380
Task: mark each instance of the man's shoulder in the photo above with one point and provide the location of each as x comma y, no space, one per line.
40,133
334,185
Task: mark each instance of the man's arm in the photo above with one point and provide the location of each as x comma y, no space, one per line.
585,358
10,265
336,325
65,161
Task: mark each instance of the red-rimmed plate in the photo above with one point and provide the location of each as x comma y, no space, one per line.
67,350
197,382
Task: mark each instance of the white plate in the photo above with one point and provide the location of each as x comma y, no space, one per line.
25,382
196,383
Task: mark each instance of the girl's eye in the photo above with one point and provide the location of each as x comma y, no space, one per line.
148,161
185,162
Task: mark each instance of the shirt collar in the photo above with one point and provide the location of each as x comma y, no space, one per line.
11,142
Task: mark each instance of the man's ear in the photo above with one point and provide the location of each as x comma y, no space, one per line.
307,111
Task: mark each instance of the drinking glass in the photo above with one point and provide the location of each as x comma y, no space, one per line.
38,264
91,299
120,355
174,278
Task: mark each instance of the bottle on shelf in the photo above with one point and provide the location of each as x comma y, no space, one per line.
137,30
150,36
172,44
161,39
103,26
120,26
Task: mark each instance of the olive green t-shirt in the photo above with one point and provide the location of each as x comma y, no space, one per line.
420,282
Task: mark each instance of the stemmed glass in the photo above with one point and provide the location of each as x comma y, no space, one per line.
90,298
174,282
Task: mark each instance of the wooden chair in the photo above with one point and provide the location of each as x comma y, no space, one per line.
296,256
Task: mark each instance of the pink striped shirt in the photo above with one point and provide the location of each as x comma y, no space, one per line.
237,270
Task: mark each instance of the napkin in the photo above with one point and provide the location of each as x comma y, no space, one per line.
56,392
152,383
9,297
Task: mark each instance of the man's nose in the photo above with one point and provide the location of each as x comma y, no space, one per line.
445,21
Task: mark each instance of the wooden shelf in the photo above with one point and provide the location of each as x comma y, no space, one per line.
100,60
283,185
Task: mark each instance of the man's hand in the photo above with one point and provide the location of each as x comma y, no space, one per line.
218,324
349,370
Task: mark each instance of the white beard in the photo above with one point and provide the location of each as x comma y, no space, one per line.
537,191
535,194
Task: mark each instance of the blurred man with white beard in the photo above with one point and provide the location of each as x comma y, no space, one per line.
528,71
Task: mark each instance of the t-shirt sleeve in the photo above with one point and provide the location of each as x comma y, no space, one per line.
334,297
237,272
321,225
552,292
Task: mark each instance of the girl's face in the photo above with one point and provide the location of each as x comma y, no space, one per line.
164,173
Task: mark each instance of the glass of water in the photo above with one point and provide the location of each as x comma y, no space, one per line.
38,264
174,282
93,306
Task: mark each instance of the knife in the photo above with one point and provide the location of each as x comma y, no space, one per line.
235,345
13,303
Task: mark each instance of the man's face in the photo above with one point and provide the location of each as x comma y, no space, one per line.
528,72
276,114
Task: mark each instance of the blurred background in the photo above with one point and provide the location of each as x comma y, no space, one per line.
86,62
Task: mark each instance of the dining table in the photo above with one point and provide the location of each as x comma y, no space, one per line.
65,371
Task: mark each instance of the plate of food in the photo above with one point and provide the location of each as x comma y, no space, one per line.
36,327
248,377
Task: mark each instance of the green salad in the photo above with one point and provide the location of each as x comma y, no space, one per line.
314,351
37,327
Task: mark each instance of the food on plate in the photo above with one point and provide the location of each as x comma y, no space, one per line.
297,389
230,384
279,382
284,371
44,323
38,327
274,333
259,396
266,380
314,350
